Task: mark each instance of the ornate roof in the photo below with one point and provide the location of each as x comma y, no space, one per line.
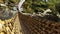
41,26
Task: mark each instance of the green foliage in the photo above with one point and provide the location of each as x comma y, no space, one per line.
34,5
39,5
14,1
58,7
31,6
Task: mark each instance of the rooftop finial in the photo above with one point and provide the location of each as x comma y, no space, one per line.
20,5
